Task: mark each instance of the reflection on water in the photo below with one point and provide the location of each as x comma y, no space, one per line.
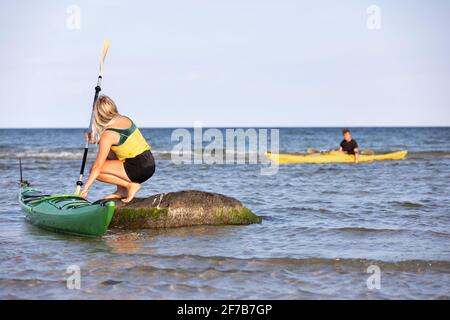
126,242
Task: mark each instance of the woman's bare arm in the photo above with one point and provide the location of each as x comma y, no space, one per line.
104,146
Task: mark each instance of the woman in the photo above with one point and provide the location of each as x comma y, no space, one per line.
124,158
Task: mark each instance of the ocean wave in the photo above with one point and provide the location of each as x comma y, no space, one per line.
368,230
77,153
56,153
248,264
363,232
424,155
202,270
407,204
27,282
45,153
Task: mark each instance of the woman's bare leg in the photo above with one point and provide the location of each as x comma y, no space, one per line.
121,184
132,190
113,172
121,192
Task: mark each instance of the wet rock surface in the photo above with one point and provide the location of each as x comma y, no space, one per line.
181,208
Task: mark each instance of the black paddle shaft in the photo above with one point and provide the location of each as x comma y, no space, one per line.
86,149
20,167
83,164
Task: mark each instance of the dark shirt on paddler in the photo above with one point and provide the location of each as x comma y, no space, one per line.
349,147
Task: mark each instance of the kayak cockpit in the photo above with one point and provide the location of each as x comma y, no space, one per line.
28,196
67,201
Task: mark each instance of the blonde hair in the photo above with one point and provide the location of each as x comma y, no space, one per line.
104,112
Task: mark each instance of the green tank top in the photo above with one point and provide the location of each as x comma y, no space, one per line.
131,143
124,133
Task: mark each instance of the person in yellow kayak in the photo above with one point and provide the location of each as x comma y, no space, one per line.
349,145
124,158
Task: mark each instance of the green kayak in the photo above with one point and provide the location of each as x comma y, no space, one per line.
66,213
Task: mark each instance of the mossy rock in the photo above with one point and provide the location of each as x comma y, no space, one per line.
180,209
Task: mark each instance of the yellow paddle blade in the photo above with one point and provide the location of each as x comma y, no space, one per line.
105,49
104,52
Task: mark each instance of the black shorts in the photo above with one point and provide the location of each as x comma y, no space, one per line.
140,168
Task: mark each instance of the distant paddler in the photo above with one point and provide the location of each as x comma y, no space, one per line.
349,145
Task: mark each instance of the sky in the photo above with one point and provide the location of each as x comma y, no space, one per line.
227,63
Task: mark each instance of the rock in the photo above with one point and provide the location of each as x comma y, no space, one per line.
180,209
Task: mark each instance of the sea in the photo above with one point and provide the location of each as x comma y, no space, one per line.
377,230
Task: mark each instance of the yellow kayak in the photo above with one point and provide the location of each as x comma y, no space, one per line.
333,157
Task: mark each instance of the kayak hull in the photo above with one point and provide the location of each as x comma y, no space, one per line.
333,157
66,213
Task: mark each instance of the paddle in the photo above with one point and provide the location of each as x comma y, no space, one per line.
89,131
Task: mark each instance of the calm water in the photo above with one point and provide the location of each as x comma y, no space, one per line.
323,224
